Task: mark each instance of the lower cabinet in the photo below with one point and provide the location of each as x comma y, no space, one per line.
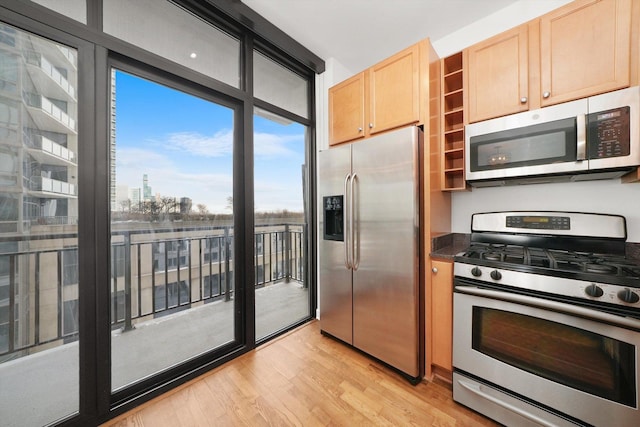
441,317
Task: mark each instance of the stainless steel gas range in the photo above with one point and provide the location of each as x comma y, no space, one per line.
547,320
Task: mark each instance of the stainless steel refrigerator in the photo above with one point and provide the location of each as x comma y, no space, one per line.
370,287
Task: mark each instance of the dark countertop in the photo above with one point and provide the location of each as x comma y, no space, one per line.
446,246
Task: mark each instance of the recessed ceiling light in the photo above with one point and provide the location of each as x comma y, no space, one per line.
193,55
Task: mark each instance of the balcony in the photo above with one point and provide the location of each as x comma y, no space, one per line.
45,151
51,188
47,79
46,115
40,338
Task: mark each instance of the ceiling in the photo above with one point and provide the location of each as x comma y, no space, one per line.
359,33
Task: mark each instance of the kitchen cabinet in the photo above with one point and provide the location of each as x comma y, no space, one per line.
383,97
347,110
498,70
578,50
584,49
441,316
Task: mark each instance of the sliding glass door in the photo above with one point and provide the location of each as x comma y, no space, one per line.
155,203
172,234
280,171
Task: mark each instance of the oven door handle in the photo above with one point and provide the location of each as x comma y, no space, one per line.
625,322
475,389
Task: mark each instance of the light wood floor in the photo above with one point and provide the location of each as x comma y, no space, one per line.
303,379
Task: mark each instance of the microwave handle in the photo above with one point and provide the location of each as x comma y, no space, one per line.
581,147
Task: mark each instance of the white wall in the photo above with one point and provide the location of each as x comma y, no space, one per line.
502,20
606,196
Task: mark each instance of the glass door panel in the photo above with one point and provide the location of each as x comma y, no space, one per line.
280,171
39,358
172,239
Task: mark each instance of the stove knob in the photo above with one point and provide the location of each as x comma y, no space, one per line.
594,290
476,272
629,296
496,275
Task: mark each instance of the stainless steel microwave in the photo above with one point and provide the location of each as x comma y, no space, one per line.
591,138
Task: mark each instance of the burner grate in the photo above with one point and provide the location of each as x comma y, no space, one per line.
559,260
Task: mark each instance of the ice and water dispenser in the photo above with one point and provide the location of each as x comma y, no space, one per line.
333,218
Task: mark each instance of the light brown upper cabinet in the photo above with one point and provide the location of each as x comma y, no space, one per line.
498,75
575,51
347,110
584,49
394,90
383,97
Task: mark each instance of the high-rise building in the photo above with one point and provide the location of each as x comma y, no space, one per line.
146,189
38,132
135,196
112,143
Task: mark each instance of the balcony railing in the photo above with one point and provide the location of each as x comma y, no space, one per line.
150,277
37,59
39,142
50,109
48,185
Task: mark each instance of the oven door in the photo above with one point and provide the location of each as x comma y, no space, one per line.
551,140
570,360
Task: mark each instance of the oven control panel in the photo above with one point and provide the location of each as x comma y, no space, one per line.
550,223
539,222
559,286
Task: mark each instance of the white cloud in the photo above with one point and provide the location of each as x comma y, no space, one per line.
274,145
277,181
217,145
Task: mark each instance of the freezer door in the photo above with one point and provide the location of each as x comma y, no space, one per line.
386,287
334,167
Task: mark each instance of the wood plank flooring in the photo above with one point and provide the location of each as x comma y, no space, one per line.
303,379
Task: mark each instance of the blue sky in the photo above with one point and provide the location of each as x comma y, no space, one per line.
184,145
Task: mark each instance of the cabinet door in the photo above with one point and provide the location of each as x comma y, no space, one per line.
442,313
584,49
498,75
347,110
394,90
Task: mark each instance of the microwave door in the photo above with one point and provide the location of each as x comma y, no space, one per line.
542,142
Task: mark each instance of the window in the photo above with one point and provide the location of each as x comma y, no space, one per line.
169,31
171,67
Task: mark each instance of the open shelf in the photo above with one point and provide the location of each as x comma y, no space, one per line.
452,146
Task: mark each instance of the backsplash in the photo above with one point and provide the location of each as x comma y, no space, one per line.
606,196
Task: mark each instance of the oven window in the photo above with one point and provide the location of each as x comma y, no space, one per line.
577,358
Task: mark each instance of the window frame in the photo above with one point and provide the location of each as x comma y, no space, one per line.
97,52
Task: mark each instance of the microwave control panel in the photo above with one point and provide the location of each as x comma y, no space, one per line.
608,133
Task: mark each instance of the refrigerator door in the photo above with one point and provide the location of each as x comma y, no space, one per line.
386,287
334,167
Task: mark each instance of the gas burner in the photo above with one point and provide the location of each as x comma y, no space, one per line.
600,268
598,265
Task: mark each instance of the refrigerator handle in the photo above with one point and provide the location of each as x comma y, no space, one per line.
355,253
347,261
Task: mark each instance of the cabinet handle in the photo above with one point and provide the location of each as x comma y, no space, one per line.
523,100
545,95
435,270
370,125
359,129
